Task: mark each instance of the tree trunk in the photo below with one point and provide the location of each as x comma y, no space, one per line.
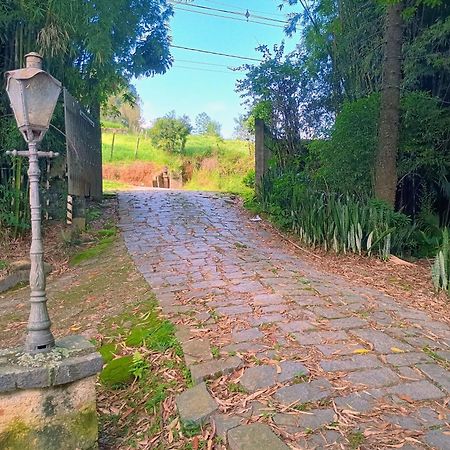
388,133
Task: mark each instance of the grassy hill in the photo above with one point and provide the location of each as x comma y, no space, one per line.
209,163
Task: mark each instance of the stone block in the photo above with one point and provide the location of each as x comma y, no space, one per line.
437,374
408,359
72,369
234,310
260,377
250,334
381,341
374,378
309,420
254,437
296,326
320,337
195,406
304,392
55,418
354,363
347,323
196,350
224,423
266,318
417,391
437,439
214,368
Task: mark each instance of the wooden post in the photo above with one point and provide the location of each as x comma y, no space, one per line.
261,154
112,146
137,147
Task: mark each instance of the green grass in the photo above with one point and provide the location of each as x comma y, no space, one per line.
114,186
107,237
111,124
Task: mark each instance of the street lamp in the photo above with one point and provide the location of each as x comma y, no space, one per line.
33,94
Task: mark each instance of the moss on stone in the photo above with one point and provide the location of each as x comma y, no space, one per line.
76,430
107,351
117,372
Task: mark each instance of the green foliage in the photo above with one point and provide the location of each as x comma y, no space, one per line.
342,223
93,251
117,372
138,366
170,133
205,125
441,268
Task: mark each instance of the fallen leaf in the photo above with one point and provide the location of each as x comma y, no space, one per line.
361,351
397,350
406,398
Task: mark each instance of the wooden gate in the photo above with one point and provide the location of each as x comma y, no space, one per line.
84,151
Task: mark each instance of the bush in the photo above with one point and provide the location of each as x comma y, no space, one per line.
170,133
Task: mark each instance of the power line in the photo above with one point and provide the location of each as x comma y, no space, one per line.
202,70
202,63
215,53
178,8
235,6
246,14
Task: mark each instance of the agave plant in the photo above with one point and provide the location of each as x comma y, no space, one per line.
440,270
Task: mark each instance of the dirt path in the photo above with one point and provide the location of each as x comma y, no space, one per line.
324,361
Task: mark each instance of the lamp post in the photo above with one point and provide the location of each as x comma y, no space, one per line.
33,94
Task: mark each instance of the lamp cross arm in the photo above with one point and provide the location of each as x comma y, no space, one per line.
27,154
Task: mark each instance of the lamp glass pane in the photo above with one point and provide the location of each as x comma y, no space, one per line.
41,93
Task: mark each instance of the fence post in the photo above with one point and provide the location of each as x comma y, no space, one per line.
137,147
112,146
261,154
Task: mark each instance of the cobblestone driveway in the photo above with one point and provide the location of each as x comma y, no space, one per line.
330,363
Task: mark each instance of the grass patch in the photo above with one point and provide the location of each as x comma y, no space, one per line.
115,186
3,264
92,252
145,371
355,439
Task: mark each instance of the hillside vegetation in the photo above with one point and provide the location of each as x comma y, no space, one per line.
207,162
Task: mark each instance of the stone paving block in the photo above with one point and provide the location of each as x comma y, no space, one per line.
345,349
260,377
196,350
438,374
254,437
244,347
406,422
183,333
234,310
251,334
408,359
304,392
316,418
347,323
320,337
214,368
417,390
296,326
267,299
280,308
330,312
374,378
437,440
431,418
308,300
361,402
224,423
381,341
248,287
353,363
195,405
266,318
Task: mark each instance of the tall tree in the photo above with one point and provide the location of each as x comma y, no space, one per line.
389,125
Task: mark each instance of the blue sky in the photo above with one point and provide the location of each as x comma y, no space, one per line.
191,88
